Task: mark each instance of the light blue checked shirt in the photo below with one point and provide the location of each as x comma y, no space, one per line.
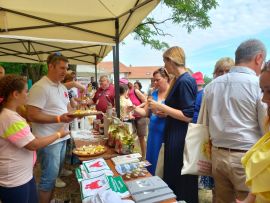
236,113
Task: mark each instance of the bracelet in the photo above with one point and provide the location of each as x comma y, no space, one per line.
58,135
58,119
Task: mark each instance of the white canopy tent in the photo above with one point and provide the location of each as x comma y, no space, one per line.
35,50
94,25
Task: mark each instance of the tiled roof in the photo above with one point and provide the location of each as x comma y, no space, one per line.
107,66
142,72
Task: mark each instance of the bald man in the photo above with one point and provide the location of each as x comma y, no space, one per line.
2,71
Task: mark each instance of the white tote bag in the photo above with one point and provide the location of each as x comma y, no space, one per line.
160,162
197,150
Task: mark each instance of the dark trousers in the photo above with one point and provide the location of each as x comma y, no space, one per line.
26,193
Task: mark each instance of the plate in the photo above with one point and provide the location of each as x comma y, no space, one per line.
77,152
83,113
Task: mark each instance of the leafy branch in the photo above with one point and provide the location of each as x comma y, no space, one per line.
187,13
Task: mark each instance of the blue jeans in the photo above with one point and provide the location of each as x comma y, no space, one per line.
51,161
26,193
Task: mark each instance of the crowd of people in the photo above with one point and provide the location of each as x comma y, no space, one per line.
237,105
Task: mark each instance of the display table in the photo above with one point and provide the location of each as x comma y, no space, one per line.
111,165
110,153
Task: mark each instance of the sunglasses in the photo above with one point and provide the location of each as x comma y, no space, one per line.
55,56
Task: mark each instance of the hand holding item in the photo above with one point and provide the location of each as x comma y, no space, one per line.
64,118
161,114
131,108
153,105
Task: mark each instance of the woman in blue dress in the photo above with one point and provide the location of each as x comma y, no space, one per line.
157,119
179,107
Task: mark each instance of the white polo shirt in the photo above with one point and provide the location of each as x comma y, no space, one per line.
52,98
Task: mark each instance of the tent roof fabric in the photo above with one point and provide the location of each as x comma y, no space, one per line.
34,50
86,21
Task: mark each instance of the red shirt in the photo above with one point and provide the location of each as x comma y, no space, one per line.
103,97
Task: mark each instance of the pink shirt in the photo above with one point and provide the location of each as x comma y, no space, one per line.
16,162
134,99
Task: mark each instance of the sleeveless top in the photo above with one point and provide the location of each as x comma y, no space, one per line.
134,99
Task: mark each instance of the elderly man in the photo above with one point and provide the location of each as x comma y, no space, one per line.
47,109
104,95
2,71
236,118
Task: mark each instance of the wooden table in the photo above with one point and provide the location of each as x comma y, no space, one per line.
107,156
112,167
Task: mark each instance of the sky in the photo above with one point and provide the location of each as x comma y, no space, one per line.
233,22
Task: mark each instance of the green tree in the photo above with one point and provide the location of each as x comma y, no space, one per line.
207,79
32,71
188,13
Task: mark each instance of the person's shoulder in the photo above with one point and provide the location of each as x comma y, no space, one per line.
42,83
186,78
10,116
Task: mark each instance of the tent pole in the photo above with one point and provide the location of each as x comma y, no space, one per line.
116,68
96,69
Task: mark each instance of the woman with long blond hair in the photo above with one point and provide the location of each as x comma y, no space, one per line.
179,108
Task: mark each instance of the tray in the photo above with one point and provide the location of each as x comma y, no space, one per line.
84,113
89,155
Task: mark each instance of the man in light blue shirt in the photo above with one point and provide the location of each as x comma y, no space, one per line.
236,118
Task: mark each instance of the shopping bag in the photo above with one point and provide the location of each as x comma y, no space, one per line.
197,150
160,162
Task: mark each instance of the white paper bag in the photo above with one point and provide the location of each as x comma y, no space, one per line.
197,151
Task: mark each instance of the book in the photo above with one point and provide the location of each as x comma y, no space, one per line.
145,184
152,194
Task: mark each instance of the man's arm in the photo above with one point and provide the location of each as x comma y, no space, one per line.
35,114
76,84
262,112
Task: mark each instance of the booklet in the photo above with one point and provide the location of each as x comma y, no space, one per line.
145,184
92,186
117,185
158,194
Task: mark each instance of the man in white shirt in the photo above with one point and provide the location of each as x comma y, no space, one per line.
47,108
236,118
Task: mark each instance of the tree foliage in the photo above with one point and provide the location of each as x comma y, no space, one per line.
207,80
32,71
187,13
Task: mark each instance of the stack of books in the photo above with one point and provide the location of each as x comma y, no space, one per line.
149,190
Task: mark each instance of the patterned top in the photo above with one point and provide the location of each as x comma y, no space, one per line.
16,162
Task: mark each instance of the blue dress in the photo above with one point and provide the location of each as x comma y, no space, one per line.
197,106
155,137
182,96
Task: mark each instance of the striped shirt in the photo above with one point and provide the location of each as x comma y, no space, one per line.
16,162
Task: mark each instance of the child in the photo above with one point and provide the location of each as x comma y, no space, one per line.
125,102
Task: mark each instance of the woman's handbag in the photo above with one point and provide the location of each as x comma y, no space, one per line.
197,151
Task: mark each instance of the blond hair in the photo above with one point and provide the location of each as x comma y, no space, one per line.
175,54
225,62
